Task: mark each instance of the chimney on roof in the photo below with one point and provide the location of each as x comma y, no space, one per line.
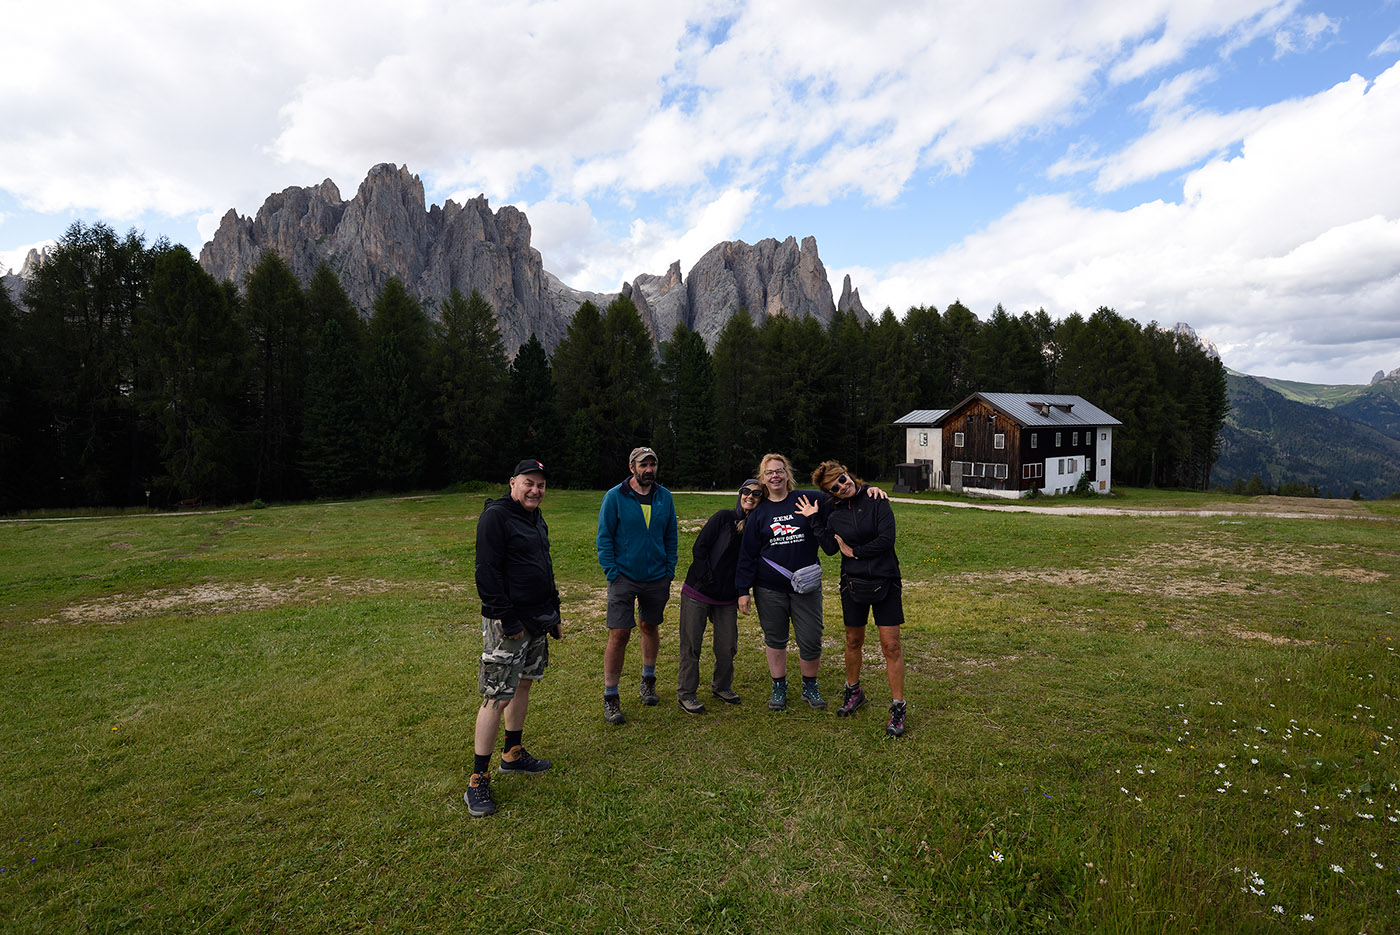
1065,406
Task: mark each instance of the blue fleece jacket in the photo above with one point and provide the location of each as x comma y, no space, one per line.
627,544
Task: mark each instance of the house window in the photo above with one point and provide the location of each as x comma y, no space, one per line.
957,439
1035,440
1103,462
1058,442
1062,465
1001,471
999,440
923,439
1074,440
1073,465
1032,470
1104,436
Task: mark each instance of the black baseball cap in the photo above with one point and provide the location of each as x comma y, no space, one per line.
528,465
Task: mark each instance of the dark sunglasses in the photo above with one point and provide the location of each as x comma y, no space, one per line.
838,484
750,492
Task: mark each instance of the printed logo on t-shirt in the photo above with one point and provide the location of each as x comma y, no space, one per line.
784,533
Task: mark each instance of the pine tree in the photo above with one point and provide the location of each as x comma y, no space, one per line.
472,378
629,389
741,413
335,448
16,428
892,384
533,420
81,302
685,410
279,329
199,360
579,368
397,389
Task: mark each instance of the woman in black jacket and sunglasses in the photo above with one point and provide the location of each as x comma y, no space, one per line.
709,594
862,529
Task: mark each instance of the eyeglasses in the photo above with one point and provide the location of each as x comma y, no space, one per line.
838,484
776,472
750,492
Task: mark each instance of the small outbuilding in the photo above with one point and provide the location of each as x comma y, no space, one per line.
1008,444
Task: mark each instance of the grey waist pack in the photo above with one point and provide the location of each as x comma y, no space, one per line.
805,580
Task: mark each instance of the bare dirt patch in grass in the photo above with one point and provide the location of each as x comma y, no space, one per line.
1190,568
213,598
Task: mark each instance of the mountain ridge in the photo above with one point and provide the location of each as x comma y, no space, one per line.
387,229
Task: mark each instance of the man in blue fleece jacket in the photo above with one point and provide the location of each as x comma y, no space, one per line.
637,549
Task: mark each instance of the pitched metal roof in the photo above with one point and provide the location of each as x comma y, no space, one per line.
1025,409
921,417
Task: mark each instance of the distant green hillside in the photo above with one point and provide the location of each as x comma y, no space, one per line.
1281,439
1378,407
1376,404
1314,394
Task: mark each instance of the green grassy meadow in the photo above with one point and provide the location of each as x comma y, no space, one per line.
260,721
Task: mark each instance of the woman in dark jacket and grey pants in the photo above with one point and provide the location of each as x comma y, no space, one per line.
709,594
862,529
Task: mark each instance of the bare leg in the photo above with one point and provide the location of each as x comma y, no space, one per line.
855,641
515,711
614,654
488,725
894,660
777,662
651,643
809,667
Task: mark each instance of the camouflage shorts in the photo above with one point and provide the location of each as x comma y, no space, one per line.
504,662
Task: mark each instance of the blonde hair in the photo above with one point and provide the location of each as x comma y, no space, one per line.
825,474
787,467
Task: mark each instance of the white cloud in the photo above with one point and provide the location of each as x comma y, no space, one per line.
1286,255
718,110
1389,45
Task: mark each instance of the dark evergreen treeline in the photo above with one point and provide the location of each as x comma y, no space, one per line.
130,370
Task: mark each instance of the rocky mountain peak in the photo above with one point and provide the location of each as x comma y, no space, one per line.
1184,330
850,300
387,229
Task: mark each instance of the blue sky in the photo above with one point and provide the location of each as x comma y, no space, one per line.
1227,163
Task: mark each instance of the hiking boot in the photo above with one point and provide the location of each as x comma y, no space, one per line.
518,760
854,698
612,709
727,695
895,728
648,692
478,796
778,700
692,706
812,695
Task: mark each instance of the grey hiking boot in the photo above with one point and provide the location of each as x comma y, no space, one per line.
727,695
855,697
612,709
778,700
812,695
895,728
648,691
478,796
518,760
692,706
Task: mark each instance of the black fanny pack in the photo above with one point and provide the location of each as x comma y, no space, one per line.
866,590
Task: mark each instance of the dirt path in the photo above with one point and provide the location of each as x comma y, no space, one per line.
1273,507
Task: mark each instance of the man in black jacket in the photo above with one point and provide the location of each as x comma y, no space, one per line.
519,611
